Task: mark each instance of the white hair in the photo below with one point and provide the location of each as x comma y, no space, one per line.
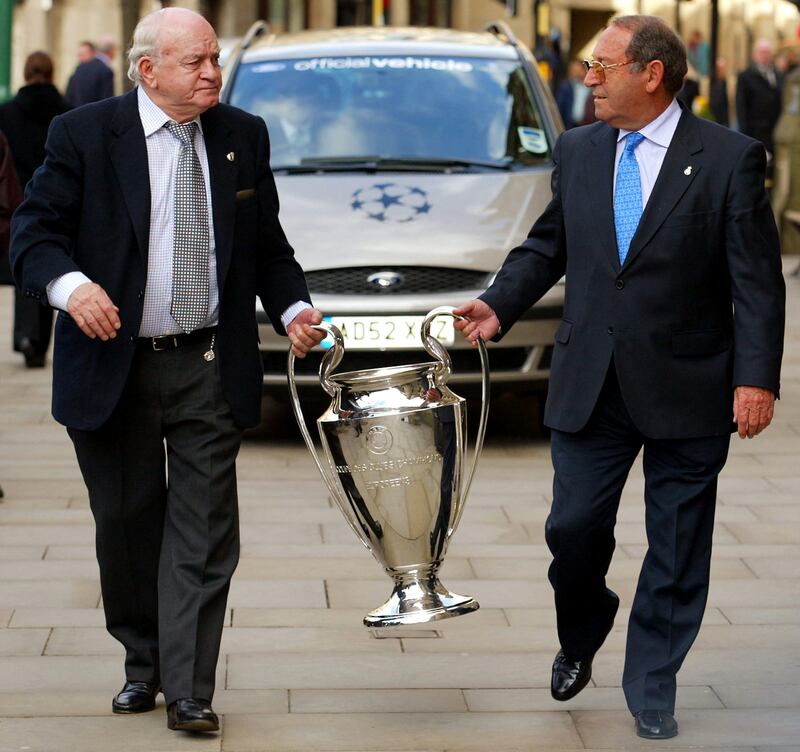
145,43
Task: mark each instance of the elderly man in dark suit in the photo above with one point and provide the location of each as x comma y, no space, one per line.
758,96
672,338
153,225
93,79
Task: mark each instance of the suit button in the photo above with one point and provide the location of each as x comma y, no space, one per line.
619,284
610,330
133,339
141,294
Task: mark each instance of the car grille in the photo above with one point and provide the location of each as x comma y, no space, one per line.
398,280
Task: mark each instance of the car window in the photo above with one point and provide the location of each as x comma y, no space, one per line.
395,106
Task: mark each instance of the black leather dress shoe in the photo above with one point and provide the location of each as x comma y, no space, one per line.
136,697
655,724
569,677
192,714
33,358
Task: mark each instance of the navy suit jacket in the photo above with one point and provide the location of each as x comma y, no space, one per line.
91,82
696,309
88,209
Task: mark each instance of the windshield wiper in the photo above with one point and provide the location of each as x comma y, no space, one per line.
376,163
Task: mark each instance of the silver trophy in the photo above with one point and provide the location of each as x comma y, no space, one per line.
395,443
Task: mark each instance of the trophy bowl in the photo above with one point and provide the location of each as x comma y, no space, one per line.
394,441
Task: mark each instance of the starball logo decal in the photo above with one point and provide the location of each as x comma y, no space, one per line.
390,202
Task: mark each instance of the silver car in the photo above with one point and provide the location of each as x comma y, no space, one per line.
408,162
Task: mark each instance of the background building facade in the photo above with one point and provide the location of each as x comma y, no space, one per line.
58,26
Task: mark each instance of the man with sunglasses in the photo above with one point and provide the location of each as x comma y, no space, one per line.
672,338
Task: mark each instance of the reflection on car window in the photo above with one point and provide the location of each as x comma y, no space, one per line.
471,109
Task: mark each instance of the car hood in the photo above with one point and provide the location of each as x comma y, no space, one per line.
458,220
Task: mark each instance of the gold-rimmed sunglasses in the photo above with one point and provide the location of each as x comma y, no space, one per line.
600,69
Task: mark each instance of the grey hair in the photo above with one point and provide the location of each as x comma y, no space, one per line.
652,40
145,43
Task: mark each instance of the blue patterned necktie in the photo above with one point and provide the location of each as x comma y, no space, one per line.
627,196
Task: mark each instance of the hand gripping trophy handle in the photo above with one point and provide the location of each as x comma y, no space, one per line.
436,349
330,360
394,440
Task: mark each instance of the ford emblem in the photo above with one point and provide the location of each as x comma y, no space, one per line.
387,280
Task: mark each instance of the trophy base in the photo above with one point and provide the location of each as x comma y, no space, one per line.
415,601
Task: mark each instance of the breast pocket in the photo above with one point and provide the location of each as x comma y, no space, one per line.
690,220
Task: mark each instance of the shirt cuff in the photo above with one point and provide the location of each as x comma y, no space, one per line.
288,315
59,289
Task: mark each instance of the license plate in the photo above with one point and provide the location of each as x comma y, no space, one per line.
388,332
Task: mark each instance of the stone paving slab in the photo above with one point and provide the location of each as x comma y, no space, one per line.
239,640
762,615
58,617
592,698
66,594
146,733
709,729
377,701
400,732
22,553
747,696
23,641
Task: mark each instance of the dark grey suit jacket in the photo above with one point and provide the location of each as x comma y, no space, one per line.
88,209
698,306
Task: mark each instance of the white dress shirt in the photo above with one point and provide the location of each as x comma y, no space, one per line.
163,150
650,153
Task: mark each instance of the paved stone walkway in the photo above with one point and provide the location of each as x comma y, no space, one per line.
298,672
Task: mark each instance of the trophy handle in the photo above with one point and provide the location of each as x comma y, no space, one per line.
436,349
330,360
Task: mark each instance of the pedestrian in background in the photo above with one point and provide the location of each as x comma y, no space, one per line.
10,196
672,337
25,120
153,225
93,79
697,53
718,93
758,96
573,97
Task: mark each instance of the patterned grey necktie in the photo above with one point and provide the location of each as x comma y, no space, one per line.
191,242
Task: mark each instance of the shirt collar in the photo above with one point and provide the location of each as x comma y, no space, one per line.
661,130
152,116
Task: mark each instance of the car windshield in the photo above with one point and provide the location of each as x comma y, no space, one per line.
379,110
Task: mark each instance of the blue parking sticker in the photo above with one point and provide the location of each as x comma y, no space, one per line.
532,139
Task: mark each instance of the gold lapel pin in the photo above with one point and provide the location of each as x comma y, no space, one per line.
231,156
687,171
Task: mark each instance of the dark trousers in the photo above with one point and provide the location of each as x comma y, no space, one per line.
161,476
32,322
591,468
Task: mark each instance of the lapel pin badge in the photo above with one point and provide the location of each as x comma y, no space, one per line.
230,156
687,171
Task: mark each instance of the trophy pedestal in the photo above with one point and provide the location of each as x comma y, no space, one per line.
418,598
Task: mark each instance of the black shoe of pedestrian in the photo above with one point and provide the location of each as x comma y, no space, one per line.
33,358
569,677
655,724
192,714
136,697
